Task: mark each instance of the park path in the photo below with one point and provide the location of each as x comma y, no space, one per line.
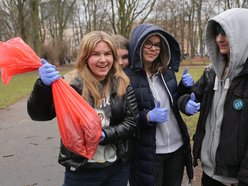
29,150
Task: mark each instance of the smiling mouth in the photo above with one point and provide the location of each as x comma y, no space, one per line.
102,66
223,46
151,55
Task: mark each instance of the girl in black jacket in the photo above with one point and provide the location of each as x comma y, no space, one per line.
102,83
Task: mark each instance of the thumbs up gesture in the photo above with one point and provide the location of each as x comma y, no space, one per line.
158,114
187,78
192,107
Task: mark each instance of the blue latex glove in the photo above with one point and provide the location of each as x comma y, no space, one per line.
158,114
102,137
187,78
192,107
48,73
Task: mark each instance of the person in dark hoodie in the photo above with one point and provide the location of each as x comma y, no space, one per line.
221,137
162,147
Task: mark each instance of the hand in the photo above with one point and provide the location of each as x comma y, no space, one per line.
102,137
187,78
48,73
192,107
158,114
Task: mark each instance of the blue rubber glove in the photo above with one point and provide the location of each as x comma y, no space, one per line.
48,73
102,137
187,78
192,107
158,114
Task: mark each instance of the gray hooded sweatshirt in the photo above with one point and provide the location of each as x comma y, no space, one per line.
235,24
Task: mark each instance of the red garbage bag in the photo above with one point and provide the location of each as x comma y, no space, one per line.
77,116
16,57
79,124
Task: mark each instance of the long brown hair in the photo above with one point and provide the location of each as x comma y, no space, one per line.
91,86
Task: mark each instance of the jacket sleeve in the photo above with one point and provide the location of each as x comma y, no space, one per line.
126,128
243,173
182,89
40,105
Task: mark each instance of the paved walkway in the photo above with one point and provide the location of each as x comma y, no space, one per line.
29,149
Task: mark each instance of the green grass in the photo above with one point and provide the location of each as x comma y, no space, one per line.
19,87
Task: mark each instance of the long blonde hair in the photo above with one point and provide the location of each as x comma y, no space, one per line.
92,88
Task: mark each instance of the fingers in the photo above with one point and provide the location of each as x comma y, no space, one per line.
194,103
48,65
192,96
157,104
52,74
192,106
163,114
187,78
43,61
195,106
185,70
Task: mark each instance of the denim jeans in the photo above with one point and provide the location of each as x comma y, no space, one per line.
113,175
169,168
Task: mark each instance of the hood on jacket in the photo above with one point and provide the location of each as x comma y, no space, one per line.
235,24
139,35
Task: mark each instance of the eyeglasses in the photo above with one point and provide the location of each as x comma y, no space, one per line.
219,30
148,44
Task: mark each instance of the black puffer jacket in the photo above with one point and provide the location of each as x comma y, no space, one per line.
120,132
142,168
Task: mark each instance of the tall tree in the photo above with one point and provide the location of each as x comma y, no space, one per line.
198,4
64,11
35,25
20,5
126,13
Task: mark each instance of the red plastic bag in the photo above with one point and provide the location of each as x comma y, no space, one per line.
79,124
74,112
16,57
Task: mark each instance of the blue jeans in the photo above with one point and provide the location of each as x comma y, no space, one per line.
113,175
169,168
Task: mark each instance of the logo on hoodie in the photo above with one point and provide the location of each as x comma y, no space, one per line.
238,104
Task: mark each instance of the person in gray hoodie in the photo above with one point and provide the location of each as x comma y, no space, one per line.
221,137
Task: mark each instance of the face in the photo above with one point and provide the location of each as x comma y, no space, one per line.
100,60
222,43
123,57
151,49
221,40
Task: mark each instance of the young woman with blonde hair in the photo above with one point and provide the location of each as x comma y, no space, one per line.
102,83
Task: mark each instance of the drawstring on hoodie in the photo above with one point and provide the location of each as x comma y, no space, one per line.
217,82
